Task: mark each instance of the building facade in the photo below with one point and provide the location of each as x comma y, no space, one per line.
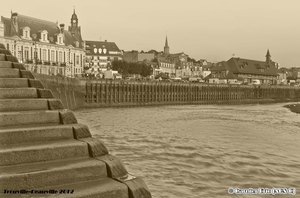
43,46
165,67
100,55
181,67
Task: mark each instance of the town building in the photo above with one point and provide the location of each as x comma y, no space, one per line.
182,67
43,46
100,55
135,56
165,67
247,71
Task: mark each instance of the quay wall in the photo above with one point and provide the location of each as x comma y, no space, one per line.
76,93
70,91
127,93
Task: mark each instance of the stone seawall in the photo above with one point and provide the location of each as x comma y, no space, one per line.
130,93
76,93
69,90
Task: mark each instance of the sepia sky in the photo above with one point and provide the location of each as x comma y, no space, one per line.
206,29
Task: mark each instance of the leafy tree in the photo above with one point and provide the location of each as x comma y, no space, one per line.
126,68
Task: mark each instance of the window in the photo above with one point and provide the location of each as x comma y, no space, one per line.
60,57
77,60
26,33
44,55
26,53
44,36
52,58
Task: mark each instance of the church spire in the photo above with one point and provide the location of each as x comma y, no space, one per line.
268,57
166,48
166,43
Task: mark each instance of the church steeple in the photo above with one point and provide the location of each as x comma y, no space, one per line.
166,48
268,57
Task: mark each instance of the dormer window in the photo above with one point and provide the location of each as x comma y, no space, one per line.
60,39
26,33
44,36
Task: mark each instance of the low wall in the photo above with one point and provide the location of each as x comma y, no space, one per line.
69,90
75,93
128,93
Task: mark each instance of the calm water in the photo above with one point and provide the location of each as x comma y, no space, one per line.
200,151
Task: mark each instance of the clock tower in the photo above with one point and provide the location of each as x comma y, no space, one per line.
74,28
75,31
74,19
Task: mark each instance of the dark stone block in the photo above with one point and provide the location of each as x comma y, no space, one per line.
81,131
55,104
11,58
26,74
44,93
5,51
115,168
2,46
95,146
35,83
137,188
19,66
67,117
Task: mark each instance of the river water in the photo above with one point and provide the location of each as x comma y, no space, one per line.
201,151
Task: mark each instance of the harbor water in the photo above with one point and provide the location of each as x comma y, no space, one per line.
200,151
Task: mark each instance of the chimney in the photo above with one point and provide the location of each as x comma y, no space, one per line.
62,28
14,19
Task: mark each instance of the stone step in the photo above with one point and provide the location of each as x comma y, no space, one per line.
9,73
23,104
36,133
29,118
58,172
13,82
101,188
42,151
18,93
2,57
5,64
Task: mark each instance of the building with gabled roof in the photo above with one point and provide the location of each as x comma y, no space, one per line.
247,70
44,46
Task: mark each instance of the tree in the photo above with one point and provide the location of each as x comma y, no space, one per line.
126,68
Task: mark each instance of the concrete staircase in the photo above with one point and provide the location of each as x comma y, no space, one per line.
42,147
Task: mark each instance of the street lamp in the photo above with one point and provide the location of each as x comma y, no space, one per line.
15,48
35,53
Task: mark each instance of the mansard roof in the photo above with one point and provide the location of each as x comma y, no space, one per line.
36,27
110,46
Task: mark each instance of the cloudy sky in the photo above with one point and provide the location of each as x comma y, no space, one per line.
206,29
